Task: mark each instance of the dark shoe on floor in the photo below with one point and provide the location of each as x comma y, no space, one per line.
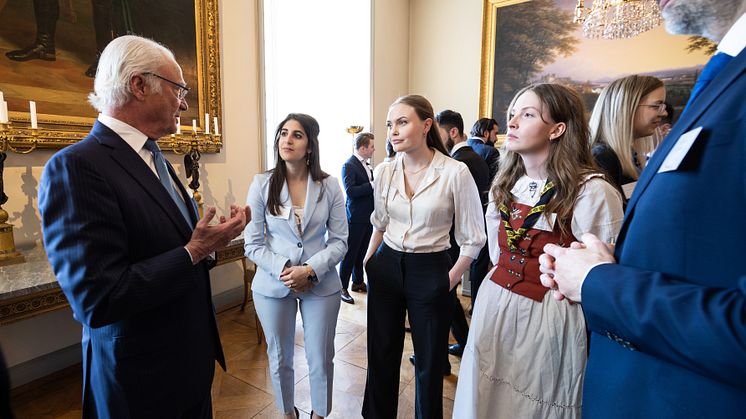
346,297
446,370
361,287
456,349
42,49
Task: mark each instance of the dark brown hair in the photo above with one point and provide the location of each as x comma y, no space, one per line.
279,173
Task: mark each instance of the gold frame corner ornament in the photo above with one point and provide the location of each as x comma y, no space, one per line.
58,131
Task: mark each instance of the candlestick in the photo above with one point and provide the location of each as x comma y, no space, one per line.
178,125
194,125
3,112
32,109
207,123
215,125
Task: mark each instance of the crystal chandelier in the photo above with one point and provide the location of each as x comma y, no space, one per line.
614,19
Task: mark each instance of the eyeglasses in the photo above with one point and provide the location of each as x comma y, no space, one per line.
660,107
183,90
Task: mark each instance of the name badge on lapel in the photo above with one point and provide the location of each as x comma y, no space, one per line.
680,149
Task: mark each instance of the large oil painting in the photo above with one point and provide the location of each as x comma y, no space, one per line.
68,35
536,41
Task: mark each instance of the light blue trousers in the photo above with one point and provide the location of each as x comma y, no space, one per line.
319,315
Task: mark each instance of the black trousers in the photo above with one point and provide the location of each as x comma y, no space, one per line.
477,271
398,283
459,326
357,245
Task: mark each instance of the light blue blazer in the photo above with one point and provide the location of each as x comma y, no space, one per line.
271,241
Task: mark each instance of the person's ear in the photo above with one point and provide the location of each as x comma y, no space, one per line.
428,125
453,132
557,131
138,86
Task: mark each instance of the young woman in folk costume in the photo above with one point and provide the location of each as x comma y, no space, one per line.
526,351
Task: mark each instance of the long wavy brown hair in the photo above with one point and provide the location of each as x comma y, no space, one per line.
569,160
279,173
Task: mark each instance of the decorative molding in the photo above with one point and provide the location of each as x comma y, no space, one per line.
26,306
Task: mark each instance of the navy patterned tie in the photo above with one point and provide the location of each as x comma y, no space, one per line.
709,72
165,177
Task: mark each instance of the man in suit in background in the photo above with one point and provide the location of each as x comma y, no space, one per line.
357,176
482,140
451,128
128,250
667,307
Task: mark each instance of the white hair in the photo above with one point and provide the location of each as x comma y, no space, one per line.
125,57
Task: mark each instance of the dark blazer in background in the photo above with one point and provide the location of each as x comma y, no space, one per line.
115,239
488,153
359,191
668,321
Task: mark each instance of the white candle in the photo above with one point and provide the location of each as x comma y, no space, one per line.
215,125
178,125
32,108
3,112
2,98
207,123
194,125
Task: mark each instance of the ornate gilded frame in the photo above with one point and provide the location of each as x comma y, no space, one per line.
487,72
57,131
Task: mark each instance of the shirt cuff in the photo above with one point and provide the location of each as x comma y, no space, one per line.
190,255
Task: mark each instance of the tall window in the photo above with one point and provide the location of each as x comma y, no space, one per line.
317,61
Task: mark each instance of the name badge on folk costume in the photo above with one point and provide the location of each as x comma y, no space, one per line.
679,151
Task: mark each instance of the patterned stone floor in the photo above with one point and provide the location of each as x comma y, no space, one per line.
245,391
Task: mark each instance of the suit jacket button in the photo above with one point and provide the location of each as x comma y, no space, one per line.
300,244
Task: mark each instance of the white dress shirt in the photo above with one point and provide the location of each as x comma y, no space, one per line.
734,40
422,224
135,139
364,162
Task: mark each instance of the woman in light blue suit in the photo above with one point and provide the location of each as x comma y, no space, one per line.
297,236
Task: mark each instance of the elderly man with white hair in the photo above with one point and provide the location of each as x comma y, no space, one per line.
128,248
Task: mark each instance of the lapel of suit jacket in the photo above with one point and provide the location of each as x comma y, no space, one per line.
360,166
136,167
287,204
313,195
687,121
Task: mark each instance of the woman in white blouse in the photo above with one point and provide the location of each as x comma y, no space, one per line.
297,236
417,197
526,352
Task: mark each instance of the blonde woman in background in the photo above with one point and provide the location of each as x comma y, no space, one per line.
627,111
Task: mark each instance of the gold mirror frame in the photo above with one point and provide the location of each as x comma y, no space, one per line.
57,131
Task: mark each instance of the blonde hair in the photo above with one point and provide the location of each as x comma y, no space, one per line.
613,117
569,160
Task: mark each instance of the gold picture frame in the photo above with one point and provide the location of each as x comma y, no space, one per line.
59,130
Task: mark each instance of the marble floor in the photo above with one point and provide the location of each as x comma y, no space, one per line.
245,390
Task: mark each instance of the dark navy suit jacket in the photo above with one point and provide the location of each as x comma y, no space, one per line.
115,240
480,173
668,321
359,191
487,152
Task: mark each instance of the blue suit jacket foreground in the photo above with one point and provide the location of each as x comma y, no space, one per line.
668,321
359,191
115,238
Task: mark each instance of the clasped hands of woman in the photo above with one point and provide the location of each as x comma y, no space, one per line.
297,278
